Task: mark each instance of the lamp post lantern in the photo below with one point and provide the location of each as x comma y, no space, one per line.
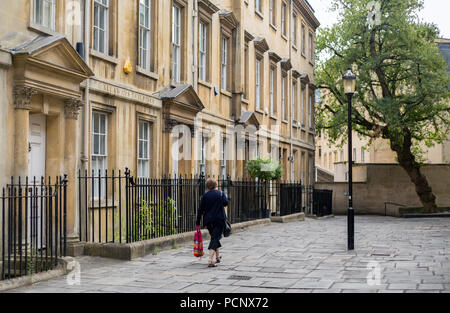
349,80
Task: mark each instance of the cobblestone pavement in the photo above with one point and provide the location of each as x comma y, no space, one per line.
412,255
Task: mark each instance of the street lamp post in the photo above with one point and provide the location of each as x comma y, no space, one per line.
349,80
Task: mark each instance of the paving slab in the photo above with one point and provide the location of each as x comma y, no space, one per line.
398,255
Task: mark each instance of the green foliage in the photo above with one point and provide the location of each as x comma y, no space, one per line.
402,89
151,221
31,266
265,169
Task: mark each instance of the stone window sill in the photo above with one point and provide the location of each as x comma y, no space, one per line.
205,84
42,29
147,73
104,57
226,93
259,14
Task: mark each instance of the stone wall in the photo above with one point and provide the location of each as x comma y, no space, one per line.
389,183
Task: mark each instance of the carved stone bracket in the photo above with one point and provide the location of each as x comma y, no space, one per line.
22,97
72,108
169,124
192,128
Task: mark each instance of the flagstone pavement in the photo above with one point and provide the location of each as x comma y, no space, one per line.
392,255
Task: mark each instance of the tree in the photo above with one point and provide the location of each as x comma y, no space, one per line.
265,169
402,92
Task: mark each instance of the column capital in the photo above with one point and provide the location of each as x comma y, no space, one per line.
72,108
22,97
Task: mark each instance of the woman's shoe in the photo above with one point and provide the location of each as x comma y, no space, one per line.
212,265
218,260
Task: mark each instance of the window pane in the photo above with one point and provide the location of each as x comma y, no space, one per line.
96,145
103,124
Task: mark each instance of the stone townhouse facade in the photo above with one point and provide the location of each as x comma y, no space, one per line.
109,84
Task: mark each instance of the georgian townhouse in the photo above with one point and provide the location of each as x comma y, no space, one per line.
156,86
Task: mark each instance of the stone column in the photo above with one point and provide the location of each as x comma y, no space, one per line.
22,100
72,110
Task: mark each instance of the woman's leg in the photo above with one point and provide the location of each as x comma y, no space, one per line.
218,258
211,256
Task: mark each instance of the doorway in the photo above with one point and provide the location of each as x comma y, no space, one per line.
36,171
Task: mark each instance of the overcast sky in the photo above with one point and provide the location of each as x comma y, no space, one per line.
435,11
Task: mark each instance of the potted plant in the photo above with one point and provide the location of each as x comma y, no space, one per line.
265,170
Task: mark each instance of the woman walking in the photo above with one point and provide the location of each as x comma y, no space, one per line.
212,208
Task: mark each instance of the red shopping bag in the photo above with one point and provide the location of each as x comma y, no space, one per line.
198,244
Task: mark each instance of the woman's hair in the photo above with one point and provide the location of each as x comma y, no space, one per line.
211,184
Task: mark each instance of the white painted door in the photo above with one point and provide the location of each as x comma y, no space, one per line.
36,170
36,157
175,155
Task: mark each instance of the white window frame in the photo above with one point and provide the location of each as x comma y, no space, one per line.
224,63
283,18
294,100
145,29
223,161
294,29
272,91
272,12
202,163
176,43
311,108
303,39
302,105
363,155
99,155
203,51
283,97
39,17
101,7
258,7
258,84
144,152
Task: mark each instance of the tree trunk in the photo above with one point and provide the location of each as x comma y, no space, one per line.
408,162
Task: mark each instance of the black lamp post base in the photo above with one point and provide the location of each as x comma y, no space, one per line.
351,229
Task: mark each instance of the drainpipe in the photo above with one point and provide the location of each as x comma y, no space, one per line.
194,45
290,88
87,105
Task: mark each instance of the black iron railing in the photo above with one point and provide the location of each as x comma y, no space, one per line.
102,201
248,199
116,207
323,202
34,227
162,207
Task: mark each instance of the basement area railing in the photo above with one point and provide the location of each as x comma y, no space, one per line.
33,218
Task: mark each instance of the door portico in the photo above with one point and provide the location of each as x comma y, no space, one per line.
47,100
